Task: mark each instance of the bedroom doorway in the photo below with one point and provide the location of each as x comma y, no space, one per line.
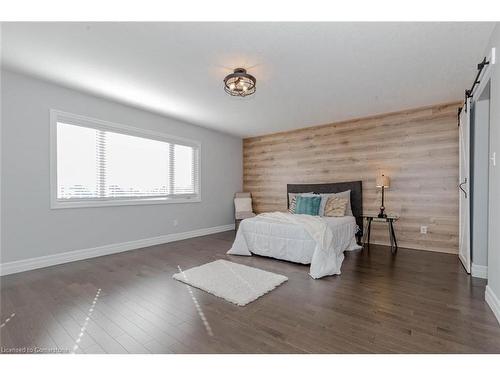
474,172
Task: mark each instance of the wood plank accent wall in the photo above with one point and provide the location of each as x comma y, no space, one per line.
417,149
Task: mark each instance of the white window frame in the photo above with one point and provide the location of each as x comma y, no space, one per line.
79,120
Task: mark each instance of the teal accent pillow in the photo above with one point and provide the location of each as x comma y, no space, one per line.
307,205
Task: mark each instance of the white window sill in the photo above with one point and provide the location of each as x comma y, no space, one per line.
58,204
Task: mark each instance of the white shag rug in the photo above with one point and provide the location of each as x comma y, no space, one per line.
234,282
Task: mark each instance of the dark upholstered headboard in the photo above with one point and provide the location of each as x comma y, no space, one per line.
336,187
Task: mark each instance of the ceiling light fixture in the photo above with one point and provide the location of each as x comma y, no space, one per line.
239,83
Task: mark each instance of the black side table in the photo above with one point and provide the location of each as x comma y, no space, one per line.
390,219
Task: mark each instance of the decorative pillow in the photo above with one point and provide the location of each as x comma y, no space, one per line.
343,194
307,205
293,204
291,195
347,196
243,204
292,198
335,206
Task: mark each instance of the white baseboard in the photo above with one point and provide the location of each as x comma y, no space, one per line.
71,256
493,301
479,271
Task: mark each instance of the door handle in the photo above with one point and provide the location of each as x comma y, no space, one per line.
461,188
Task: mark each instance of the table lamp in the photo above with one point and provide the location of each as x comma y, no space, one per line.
382,182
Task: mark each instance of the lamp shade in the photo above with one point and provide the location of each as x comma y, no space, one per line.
382,181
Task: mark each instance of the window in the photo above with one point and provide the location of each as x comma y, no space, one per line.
96,163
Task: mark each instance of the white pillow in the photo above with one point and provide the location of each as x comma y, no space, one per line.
343,194
243,204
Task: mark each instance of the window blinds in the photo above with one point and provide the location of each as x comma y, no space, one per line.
96,164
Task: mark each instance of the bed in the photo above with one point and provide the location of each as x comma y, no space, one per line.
298,238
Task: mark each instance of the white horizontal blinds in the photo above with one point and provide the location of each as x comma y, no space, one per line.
135,167
105,165
76,162
100,155
184,170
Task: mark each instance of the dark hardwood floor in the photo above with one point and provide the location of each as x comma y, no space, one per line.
413,302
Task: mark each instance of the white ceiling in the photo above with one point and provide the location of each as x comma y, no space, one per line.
307,73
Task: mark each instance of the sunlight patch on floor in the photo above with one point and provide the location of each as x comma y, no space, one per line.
197,305
7,320
86,322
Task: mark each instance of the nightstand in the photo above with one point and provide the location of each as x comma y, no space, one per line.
389,219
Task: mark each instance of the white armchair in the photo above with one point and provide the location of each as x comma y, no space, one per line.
242,208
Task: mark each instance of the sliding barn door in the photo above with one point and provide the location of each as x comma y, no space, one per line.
464,250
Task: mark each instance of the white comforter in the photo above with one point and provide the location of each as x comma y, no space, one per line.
319,241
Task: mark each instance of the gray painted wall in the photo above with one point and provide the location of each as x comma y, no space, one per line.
31,229
480,156
494,185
